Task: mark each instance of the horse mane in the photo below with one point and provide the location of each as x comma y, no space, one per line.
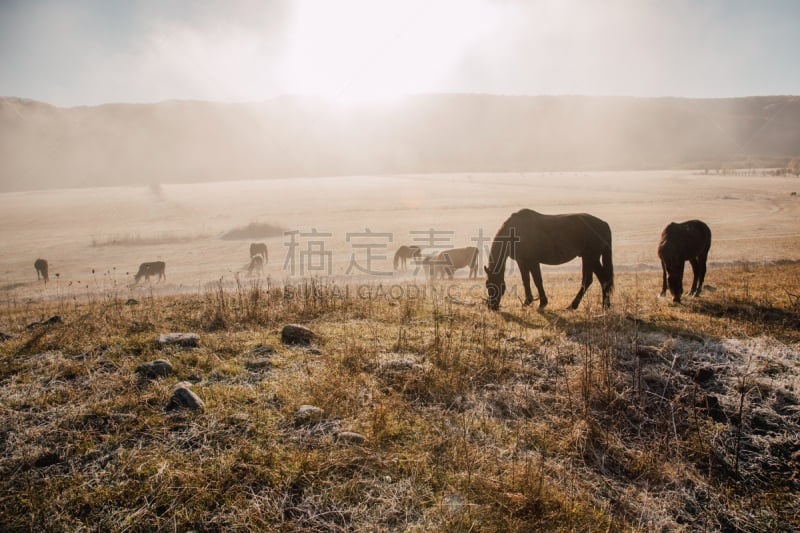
500,248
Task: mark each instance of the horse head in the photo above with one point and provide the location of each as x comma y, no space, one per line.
495,287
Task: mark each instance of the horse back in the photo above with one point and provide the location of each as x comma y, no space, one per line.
683,240
556,239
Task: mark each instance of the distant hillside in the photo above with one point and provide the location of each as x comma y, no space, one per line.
42,146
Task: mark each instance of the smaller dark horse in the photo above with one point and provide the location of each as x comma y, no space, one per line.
687,241
154,268
404,253
259,248
41,269
531,238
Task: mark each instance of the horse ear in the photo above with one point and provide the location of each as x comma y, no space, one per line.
486,269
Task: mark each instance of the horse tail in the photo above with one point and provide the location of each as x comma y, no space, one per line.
397,259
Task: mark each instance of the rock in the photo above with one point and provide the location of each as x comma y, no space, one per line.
55,319
259,364
399,366
351,437
132,301
296,334
261,350
187,340
155,369
785,402
184,398
703,374
307,415
47,459
710,404
648,352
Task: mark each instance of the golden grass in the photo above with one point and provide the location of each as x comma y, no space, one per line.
647,417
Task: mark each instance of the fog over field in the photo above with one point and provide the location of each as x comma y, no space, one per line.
350,227
43,146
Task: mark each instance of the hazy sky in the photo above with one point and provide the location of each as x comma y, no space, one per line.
87,52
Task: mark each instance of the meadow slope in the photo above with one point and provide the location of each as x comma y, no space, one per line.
647,417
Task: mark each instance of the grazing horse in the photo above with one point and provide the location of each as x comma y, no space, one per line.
448,261
258,248
155,268
531,238
404,253
257,264
41,269
690,240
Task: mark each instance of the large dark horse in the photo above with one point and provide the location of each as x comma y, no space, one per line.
687,241
531,238
41,269
404,253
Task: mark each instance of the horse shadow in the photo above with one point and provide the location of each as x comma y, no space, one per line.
748,312
552,318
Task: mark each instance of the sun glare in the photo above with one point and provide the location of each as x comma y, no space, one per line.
362,50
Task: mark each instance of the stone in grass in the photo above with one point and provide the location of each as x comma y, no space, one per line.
259,365
261,360
55,319
307,415
187,340
155,369
261,350
297,334
184,398
350,437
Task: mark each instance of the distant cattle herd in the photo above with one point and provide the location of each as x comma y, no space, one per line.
531,239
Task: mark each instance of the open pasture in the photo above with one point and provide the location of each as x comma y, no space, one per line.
95,239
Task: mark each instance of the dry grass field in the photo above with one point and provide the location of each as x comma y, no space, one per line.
649,416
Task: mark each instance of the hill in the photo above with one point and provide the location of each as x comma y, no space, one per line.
43,146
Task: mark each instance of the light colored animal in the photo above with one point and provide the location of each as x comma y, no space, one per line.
257,264
404,253
259,248
154,268
41,269
448,261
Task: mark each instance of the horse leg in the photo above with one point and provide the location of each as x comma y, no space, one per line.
588,267
663,279
526,285
536,271
701,273
695,275
676,282
603,278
